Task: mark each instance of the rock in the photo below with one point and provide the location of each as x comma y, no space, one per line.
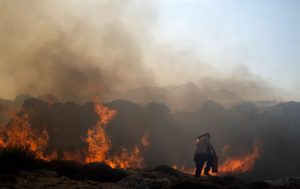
295,181
225,180
137,182
168,170
193,185
64,178
46,173
102,172
4,179
258,185
69,169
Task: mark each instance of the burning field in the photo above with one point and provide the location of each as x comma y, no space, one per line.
160,89
19,133
122,135
95,155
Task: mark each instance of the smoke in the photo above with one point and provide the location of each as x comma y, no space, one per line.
70,49
74,50
77,49
172,136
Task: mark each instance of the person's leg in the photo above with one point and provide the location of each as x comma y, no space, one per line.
199,165
197,171
208,165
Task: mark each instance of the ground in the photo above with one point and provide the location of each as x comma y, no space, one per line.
154,178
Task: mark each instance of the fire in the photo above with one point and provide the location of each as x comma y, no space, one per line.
131,158
99,143
105,114
19,133
241,164
128,159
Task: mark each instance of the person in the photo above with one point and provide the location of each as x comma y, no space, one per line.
204,153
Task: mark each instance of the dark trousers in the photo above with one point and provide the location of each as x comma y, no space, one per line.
200,159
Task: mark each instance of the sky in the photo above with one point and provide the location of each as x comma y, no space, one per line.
262,35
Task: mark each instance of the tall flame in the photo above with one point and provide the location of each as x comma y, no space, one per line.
99,143
19,133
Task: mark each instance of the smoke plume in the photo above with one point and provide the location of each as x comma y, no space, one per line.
75,50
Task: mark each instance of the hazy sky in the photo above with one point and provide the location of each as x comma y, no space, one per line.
262,35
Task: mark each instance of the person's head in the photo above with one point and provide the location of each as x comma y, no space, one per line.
204,135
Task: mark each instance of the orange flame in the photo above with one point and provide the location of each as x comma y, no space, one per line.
99,143
241,164
127,159
20,134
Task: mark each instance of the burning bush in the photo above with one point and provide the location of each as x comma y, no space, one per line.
14,159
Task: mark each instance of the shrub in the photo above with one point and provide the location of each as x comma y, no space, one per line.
13,159
102,172
168,170
67,168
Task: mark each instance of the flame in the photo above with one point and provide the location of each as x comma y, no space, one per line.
131,159
2,143
128,159
99,143
241,164
19,133
104,113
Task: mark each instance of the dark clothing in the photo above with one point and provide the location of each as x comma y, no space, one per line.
200,159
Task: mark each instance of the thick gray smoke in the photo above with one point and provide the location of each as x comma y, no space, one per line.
70,49
75,50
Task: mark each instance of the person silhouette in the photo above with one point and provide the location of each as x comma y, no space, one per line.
204,153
